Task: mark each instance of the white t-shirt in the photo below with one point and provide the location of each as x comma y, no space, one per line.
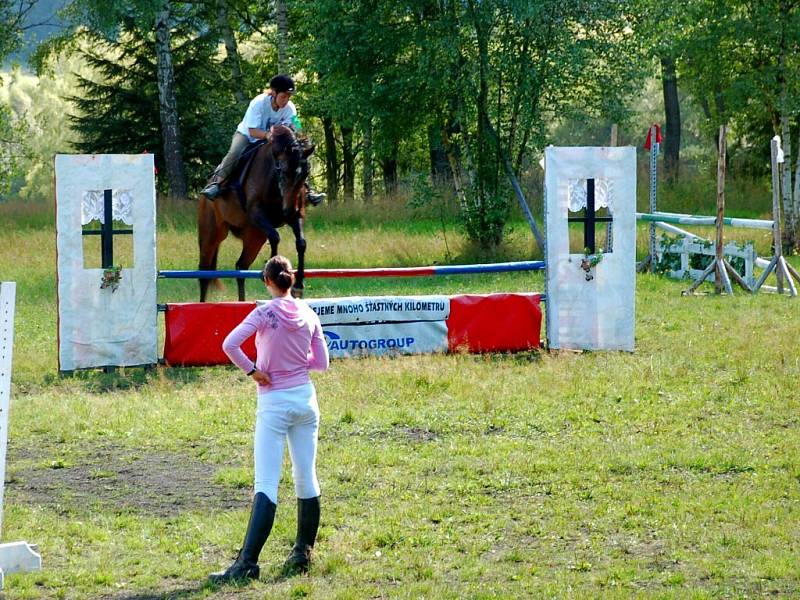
260,115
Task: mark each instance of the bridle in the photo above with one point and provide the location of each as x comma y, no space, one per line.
293,149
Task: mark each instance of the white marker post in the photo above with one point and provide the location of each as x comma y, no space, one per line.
16,556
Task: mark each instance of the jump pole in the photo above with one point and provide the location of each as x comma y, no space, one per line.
685,219
778,263
14,556
722,270
654,144
530,265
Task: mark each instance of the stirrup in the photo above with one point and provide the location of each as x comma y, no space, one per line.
315,198
211,191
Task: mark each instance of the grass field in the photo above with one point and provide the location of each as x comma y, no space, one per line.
672,472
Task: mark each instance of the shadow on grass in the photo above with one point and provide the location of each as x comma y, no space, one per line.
522,357
206,589
197,590
116,379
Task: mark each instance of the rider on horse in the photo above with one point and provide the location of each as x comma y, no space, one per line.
265,111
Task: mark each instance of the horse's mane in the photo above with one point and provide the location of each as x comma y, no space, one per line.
283,139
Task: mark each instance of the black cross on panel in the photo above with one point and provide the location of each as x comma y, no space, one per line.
107,232
590,218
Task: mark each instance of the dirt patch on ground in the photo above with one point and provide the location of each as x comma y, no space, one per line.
161,484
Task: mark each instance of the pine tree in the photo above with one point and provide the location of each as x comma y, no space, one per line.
118,112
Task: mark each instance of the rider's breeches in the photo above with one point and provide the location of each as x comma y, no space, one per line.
238,144
293,415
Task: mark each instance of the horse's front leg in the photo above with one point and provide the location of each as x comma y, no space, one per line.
300,244
252,241
265,225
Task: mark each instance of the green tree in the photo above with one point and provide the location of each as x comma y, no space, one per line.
741,60
37,106
118,110
519,65
159,16
11,133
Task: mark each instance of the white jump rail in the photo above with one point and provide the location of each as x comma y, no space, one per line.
684,219
751,258
686,246
14,556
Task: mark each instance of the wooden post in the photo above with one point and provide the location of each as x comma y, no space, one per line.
721,268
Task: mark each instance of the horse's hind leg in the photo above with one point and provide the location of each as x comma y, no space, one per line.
210,236
252,241
300,244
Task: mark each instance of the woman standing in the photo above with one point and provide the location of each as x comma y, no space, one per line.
289,344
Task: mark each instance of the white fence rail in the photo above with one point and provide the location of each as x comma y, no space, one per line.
688,245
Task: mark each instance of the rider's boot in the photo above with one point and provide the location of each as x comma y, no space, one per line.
245,566
299,559
314,198
211,190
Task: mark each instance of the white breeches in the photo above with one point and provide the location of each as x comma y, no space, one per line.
291,414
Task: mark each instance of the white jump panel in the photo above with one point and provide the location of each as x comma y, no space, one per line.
106,327
590,310
16,556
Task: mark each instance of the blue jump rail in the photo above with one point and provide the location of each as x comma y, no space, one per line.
529,265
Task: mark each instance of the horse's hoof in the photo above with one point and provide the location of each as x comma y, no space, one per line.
297,292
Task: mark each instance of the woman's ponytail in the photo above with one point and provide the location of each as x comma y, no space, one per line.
278,270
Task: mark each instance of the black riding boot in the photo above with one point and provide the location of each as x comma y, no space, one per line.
307,526
312,197
245,566
213,187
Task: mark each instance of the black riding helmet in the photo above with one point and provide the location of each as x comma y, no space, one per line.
282,83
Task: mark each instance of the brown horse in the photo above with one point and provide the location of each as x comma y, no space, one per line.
274,195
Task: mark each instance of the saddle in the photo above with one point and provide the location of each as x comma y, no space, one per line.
235,180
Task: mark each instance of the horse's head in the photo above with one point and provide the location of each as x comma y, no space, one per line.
291,166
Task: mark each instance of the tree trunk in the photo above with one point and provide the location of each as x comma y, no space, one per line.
796,203
672,118
170,126
349,160
367,173
483,167
389,167
789,217
440,166
331,160
232,52
281,16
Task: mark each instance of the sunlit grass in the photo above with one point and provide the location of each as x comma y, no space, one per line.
670,472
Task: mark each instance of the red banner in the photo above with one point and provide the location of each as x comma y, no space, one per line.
494,322
476,323
195,331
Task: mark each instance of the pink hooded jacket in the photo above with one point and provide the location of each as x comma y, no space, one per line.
289,343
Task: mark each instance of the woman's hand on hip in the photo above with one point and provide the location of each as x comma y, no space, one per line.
261,378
